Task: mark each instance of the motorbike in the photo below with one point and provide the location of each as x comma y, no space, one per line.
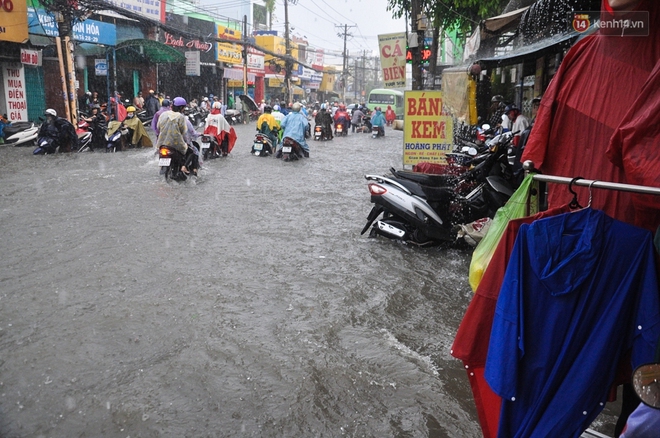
144,117
21,133
170,162
84,136
116,140
321,134
262,145
340,128
210,148
377,131
45,146
195,116
233,116
426,209
291,150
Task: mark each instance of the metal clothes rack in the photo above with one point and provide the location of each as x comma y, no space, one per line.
529,167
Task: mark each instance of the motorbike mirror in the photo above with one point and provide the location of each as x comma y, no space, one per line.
485,126
646,382
472,151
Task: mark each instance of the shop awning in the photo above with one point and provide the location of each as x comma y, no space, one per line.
153,51
503,23
535,50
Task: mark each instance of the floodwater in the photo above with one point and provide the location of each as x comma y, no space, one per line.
243,304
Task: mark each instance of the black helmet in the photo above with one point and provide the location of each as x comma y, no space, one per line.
268,109
511,107
497,98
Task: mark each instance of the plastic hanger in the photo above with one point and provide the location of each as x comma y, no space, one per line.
574,204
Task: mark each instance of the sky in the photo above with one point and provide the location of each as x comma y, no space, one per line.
321,20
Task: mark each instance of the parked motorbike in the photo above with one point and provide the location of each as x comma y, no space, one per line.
426,209
291,150
21,133
262,145
233,116
84,136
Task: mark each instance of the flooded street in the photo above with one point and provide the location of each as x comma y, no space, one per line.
245,303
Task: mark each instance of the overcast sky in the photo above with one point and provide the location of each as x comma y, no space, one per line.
318,20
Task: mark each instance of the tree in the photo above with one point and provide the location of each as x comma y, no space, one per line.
270,7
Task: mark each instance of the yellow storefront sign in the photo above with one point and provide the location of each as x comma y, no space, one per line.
13,21
228,52
428,133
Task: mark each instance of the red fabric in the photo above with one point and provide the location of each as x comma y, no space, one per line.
599,81
390,115
473,335
635,145
439,169
220,136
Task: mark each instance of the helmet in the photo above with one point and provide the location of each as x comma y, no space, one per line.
322,106
216,105
268,109
497,98
51,112
151,91
276,107
511,107
95,106
166,102
342,106
131,109
206,99
296,107
179,101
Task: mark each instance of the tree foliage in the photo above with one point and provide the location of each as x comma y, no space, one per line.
462,15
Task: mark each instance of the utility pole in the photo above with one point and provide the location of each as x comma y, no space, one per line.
414,43
344,72
288,65
245,67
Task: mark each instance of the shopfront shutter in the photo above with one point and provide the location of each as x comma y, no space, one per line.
35,92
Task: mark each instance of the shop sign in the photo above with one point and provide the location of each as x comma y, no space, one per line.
13,21
31,57
101,67
427,132
192,63
255,61
13,79
42,22
229,52
393,59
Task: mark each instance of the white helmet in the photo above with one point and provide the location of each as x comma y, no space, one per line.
276,107
217,105
51,112
206,99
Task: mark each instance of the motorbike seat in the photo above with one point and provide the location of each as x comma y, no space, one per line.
426,179
431,194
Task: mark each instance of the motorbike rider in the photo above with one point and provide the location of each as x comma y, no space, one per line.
268,125
164,107
173,129
218,126
294,126
378,120
3,122
518,122
60,130
137,134
98,125
151,103
390,115
324,119
341,116
357,118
